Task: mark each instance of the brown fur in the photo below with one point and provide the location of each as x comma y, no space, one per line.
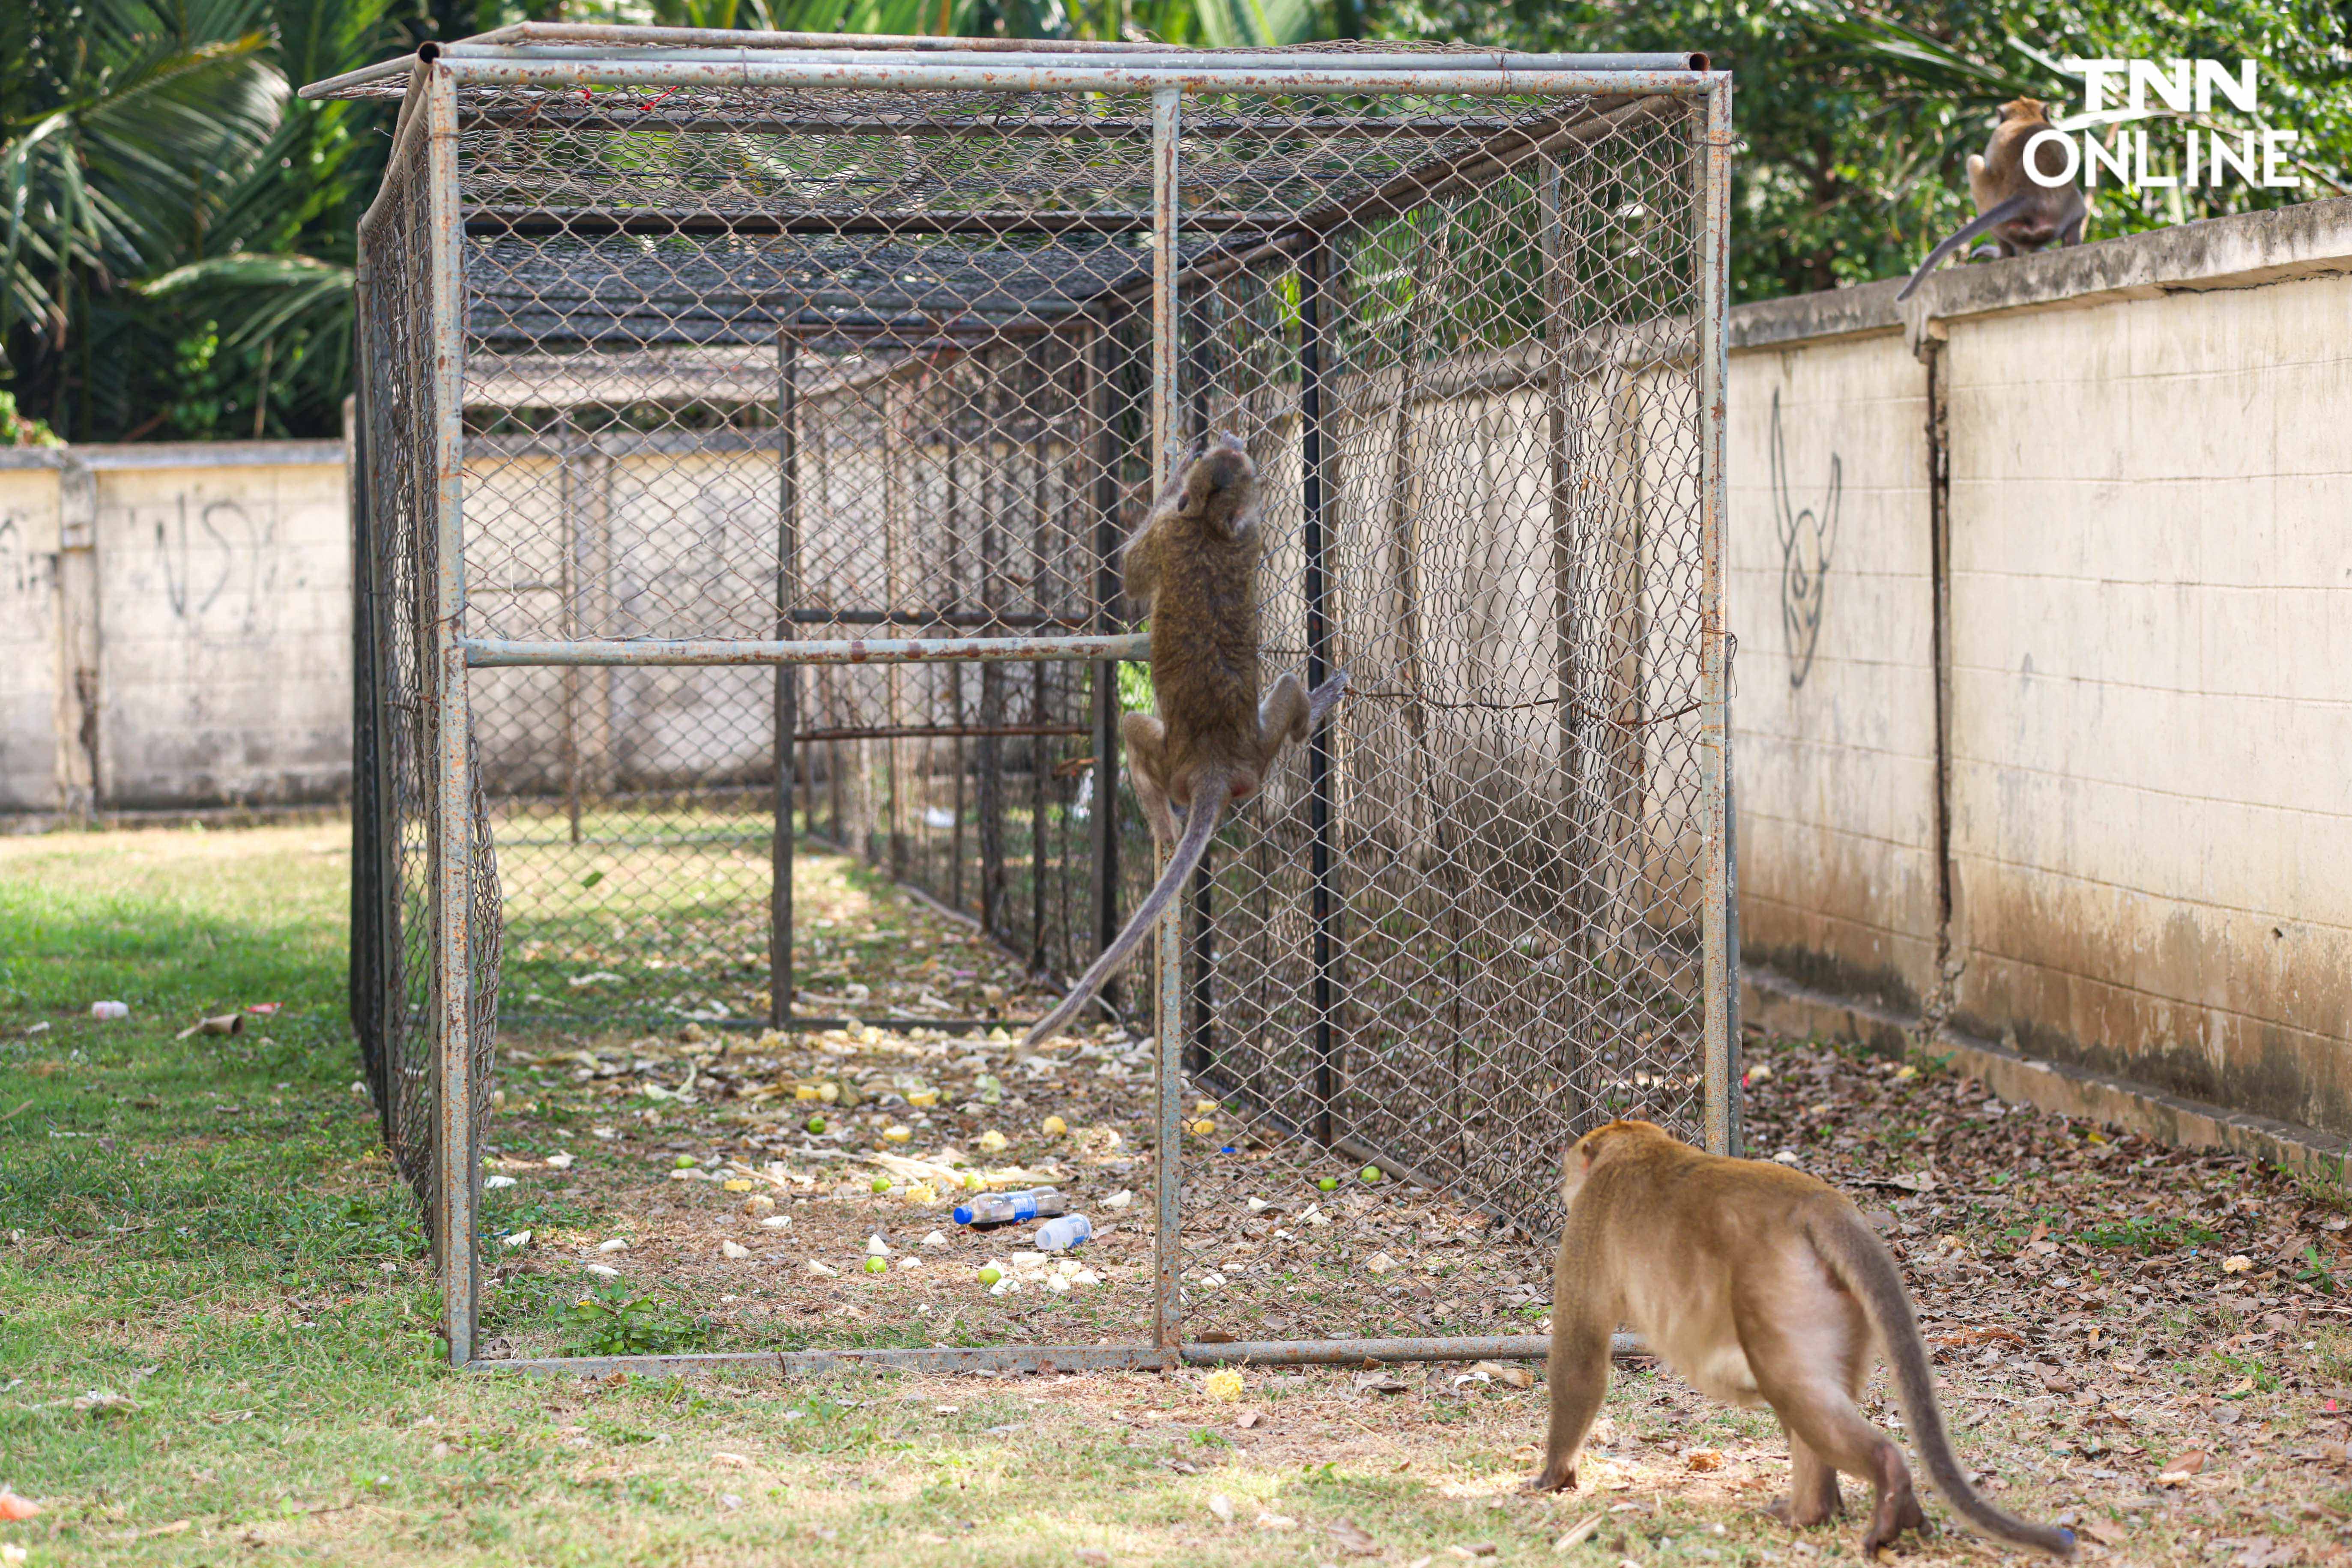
1192,567
1762,1286
2021,214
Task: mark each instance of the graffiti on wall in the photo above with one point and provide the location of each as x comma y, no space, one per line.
1807,538
221,552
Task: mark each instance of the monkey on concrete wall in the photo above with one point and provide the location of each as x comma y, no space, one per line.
2020,214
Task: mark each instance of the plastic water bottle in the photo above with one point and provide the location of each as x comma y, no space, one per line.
1063,1234
1008,1208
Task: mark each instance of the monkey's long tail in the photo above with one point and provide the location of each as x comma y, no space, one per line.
1209,792
1860,1261
1992,216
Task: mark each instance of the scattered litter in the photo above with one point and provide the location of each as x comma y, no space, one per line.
899,1133
776,1221
1223,1385
559,1162
604,1270
758,1203
105,1402
733,1249
935,1239
729,1500
1064,1233
1704,1459
1277,1521
823,1270
1378,1263
1052,1127
1119,1199
492,1183
13,1507
515,1240
1381,1382
110,1009
226,1024
597,978
263,1007
1222,1506
877,1247
993,1141
2236,1264
616,1245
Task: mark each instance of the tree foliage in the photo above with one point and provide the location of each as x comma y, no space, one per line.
177,230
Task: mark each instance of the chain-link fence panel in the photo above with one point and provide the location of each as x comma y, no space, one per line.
798,362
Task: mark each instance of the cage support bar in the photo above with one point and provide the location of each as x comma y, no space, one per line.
500,653
613,71
787,679
1314,490
452,880
1060,1358
1166,1296
1711,158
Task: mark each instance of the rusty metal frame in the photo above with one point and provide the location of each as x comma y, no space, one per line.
458,1191
1721,981
525,55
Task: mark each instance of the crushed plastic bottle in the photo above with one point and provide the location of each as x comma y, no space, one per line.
1063,1234
1010,1208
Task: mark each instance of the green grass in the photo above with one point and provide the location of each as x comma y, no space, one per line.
208,1228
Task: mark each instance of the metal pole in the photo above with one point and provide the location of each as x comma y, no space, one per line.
455,1188
1314,271
1168,1308
788,682
500,653
1102,349
1711,211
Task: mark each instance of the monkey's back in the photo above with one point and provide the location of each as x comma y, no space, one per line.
1204,647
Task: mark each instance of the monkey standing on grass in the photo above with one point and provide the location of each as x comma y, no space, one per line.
1194,563
2021,214
1762,1286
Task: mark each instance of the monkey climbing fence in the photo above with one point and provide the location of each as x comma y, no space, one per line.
745,419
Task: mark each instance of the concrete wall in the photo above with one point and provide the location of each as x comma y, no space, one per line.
175,626
2100,494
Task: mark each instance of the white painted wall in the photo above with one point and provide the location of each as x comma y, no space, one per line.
2149,592
1831,597
2152,686
29,664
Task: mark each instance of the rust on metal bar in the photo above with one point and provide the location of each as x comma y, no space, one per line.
1167,1295
501,653
941,732
1039,1359
884,74
457,1176
1711,156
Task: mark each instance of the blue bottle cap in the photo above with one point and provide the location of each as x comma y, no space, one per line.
962,1214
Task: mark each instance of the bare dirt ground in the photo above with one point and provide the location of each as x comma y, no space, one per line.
2143,1342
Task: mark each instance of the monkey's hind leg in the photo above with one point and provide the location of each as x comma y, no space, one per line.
1809,1376
1146,739
1814,1494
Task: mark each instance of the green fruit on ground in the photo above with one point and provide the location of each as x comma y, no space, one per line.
881,1184
876,1266
990,1275
817,1123
684,1161
1329,1184
1370,1173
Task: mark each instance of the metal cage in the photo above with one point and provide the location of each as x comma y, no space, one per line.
745,419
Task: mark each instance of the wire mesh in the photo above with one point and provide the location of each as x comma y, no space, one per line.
750,362
396,712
